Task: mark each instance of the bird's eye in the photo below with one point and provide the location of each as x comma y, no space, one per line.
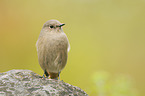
51,26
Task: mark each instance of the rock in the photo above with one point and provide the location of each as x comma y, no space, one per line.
28,83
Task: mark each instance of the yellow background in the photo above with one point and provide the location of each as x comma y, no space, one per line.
105,35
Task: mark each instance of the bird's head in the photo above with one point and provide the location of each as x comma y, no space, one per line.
53,26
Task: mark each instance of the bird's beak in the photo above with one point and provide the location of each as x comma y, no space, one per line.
61,25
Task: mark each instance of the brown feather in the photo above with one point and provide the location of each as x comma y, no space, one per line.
52,48
53,75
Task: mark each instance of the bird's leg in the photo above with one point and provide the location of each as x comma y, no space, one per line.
45,72
43,77
59,75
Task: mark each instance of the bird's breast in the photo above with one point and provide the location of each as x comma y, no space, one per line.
54,41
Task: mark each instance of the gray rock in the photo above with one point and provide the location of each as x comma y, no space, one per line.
28,83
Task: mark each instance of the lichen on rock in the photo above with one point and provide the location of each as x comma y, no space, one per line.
28,83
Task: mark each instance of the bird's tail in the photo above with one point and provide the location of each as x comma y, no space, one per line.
53,75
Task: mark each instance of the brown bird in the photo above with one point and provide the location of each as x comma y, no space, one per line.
52,49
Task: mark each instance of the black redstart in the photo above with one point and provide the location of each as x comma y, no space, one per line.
52,48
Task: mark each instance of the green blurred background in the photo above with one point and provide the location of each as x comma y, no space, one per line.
106,37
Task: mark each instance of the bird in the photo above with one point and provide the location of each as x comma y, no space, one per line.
52,49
